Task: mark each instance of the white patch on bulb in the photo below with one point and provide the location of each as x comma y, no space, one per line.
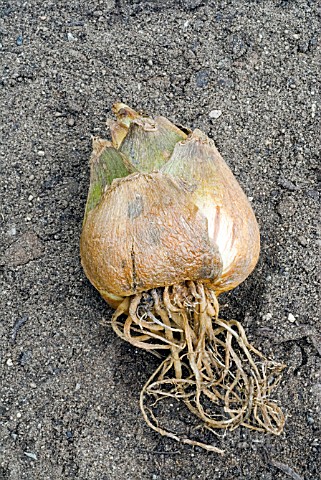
220,230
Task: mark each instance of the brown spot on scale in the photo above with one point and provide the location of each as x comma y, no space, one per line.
135,207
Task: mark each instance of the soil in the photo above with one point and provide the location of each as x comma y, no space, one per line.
69,397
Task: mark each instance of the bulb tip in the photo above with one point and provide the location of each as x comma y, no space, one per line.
122,111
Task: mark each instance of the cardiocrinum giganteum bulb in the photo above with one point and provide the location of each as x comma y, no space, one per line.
167,228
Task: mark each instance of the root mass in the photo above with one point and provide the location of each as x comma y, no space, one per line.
210,364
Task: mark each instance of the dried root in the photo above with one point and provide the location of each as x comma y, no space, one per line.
210,366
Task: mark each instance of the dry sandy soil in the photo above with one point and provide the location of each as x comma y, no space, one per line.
69,387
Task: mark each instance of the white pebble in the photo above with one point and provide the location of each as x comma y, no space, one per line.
12,231
70,37
291,318
31,455
215,113
41,153
9,362
314,109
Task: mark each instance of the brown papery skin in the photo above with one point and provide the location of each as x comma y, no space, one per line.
235,211
144,234
232,225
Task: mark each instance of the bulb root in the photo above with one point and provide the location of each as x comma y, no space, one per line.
210,366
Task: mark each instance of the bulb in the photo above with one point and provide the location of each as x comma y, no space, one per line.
167,228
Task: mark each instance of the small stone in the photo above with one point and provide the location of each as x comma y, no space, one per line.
24,358
33,385
302,241
201,78
18,415
215,113
291,318
310,420
31,455
30,198
26,248
267,316
244,445
313,194
71,122
41,153
77,387
9,362
225,82
12,231
192,4
19,41
287,184
287,207
150,63
313,43
303,47
70,37
313,109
